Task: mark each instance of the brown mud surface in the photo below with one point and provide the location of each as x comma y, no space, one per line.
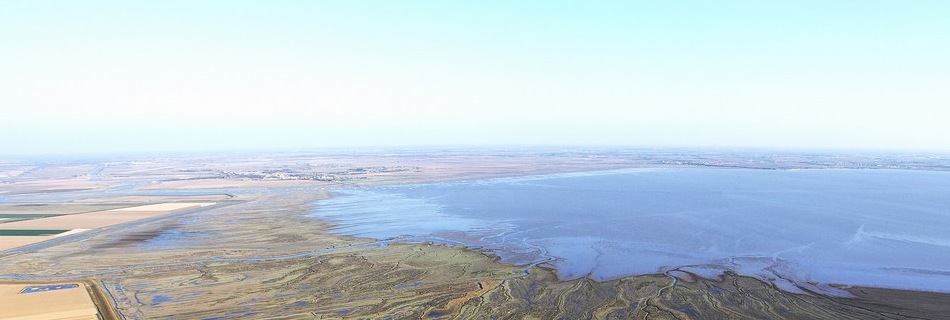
266,258
258,255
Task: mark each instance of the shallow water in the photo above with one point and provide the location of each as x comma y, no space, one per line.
885,228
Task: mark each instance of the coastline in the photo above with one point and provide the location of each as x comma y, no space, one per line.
407,210
662,296
688,296
264,255
284,263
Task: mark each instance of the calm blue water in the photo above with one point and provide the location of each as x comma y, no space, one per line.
887,228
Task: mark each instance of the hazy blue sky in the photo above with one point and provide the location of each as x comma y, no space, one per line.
108,76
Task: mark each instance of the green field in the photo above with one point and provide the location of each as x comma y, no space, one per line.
25,215
30,232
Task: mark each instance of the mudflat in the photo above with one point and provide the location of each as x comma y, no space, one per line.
262,253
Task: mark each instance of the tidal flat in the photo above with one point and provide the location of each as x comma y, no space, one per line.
266,253
249,260
802,230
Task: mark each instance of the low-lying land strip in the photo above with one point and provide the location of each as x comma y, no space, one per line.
266,258
38,226
71,300
261,255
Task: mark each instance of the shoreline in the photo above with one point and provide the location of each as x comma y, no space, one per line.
875,302
709,269
215,264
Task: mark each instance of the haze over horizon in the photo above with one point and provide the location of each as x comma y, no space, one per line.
118,76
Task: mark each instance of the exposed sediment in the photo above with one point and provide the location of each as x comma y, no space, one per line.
264,258
434,281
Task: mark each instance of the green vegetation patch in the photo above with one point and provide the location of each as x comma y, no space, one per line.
30,232
25,216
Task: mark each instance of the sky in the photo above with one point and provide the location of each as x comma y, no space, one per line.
156,76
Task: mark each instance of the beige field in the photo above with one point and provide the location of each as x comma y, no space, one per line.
90,220
84,221
100,219
126,201
225,183
60,208
73,303
59,185
10,242
164,207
